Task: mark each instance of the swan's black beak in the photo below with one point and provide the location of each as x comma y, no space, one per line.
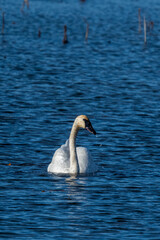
88,126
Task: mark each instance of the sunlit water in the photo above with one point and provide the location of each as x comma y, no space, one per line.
113,78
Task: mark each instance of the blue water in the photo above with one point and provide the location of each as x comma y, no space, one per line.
113,78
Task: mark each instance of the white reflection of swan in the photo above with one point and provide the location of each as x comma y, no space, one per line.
69,159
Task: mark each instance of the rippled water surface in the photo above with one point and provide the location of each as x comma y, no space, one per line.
113,78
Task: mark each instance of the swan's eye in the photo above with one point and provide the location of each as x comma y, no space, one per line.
87,123
89,127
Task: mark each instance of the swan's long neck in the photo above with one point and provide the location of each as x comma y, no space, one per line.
74,167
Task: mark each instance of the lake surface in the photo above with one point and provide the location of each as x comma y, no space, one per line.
113,78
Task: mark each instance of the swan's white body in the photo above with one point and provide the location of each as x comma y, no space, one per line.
69,159
61,161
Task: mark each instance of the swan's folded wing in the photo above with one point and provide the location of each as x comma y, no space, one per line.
85,161
60,160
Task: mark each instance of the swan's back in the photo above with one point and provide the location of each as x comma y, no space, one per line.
61,160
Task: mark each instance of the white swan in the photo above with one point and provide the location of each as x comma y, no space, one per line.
69,159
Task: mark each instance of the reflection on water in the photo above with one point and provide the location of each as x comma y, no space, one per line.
71,180
76,191
114,79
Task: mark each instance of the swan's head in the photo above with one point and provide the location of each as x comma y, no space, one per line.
82,121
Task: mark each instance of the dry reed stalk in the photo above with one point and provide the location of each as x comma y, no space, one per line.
139,20
39,33
145,29
87,30
65,40
151,25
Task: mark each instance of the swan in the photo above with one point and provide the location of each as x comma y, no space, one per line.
72,160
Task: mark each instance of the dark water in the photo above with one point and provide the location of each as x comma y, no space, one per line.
113,78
